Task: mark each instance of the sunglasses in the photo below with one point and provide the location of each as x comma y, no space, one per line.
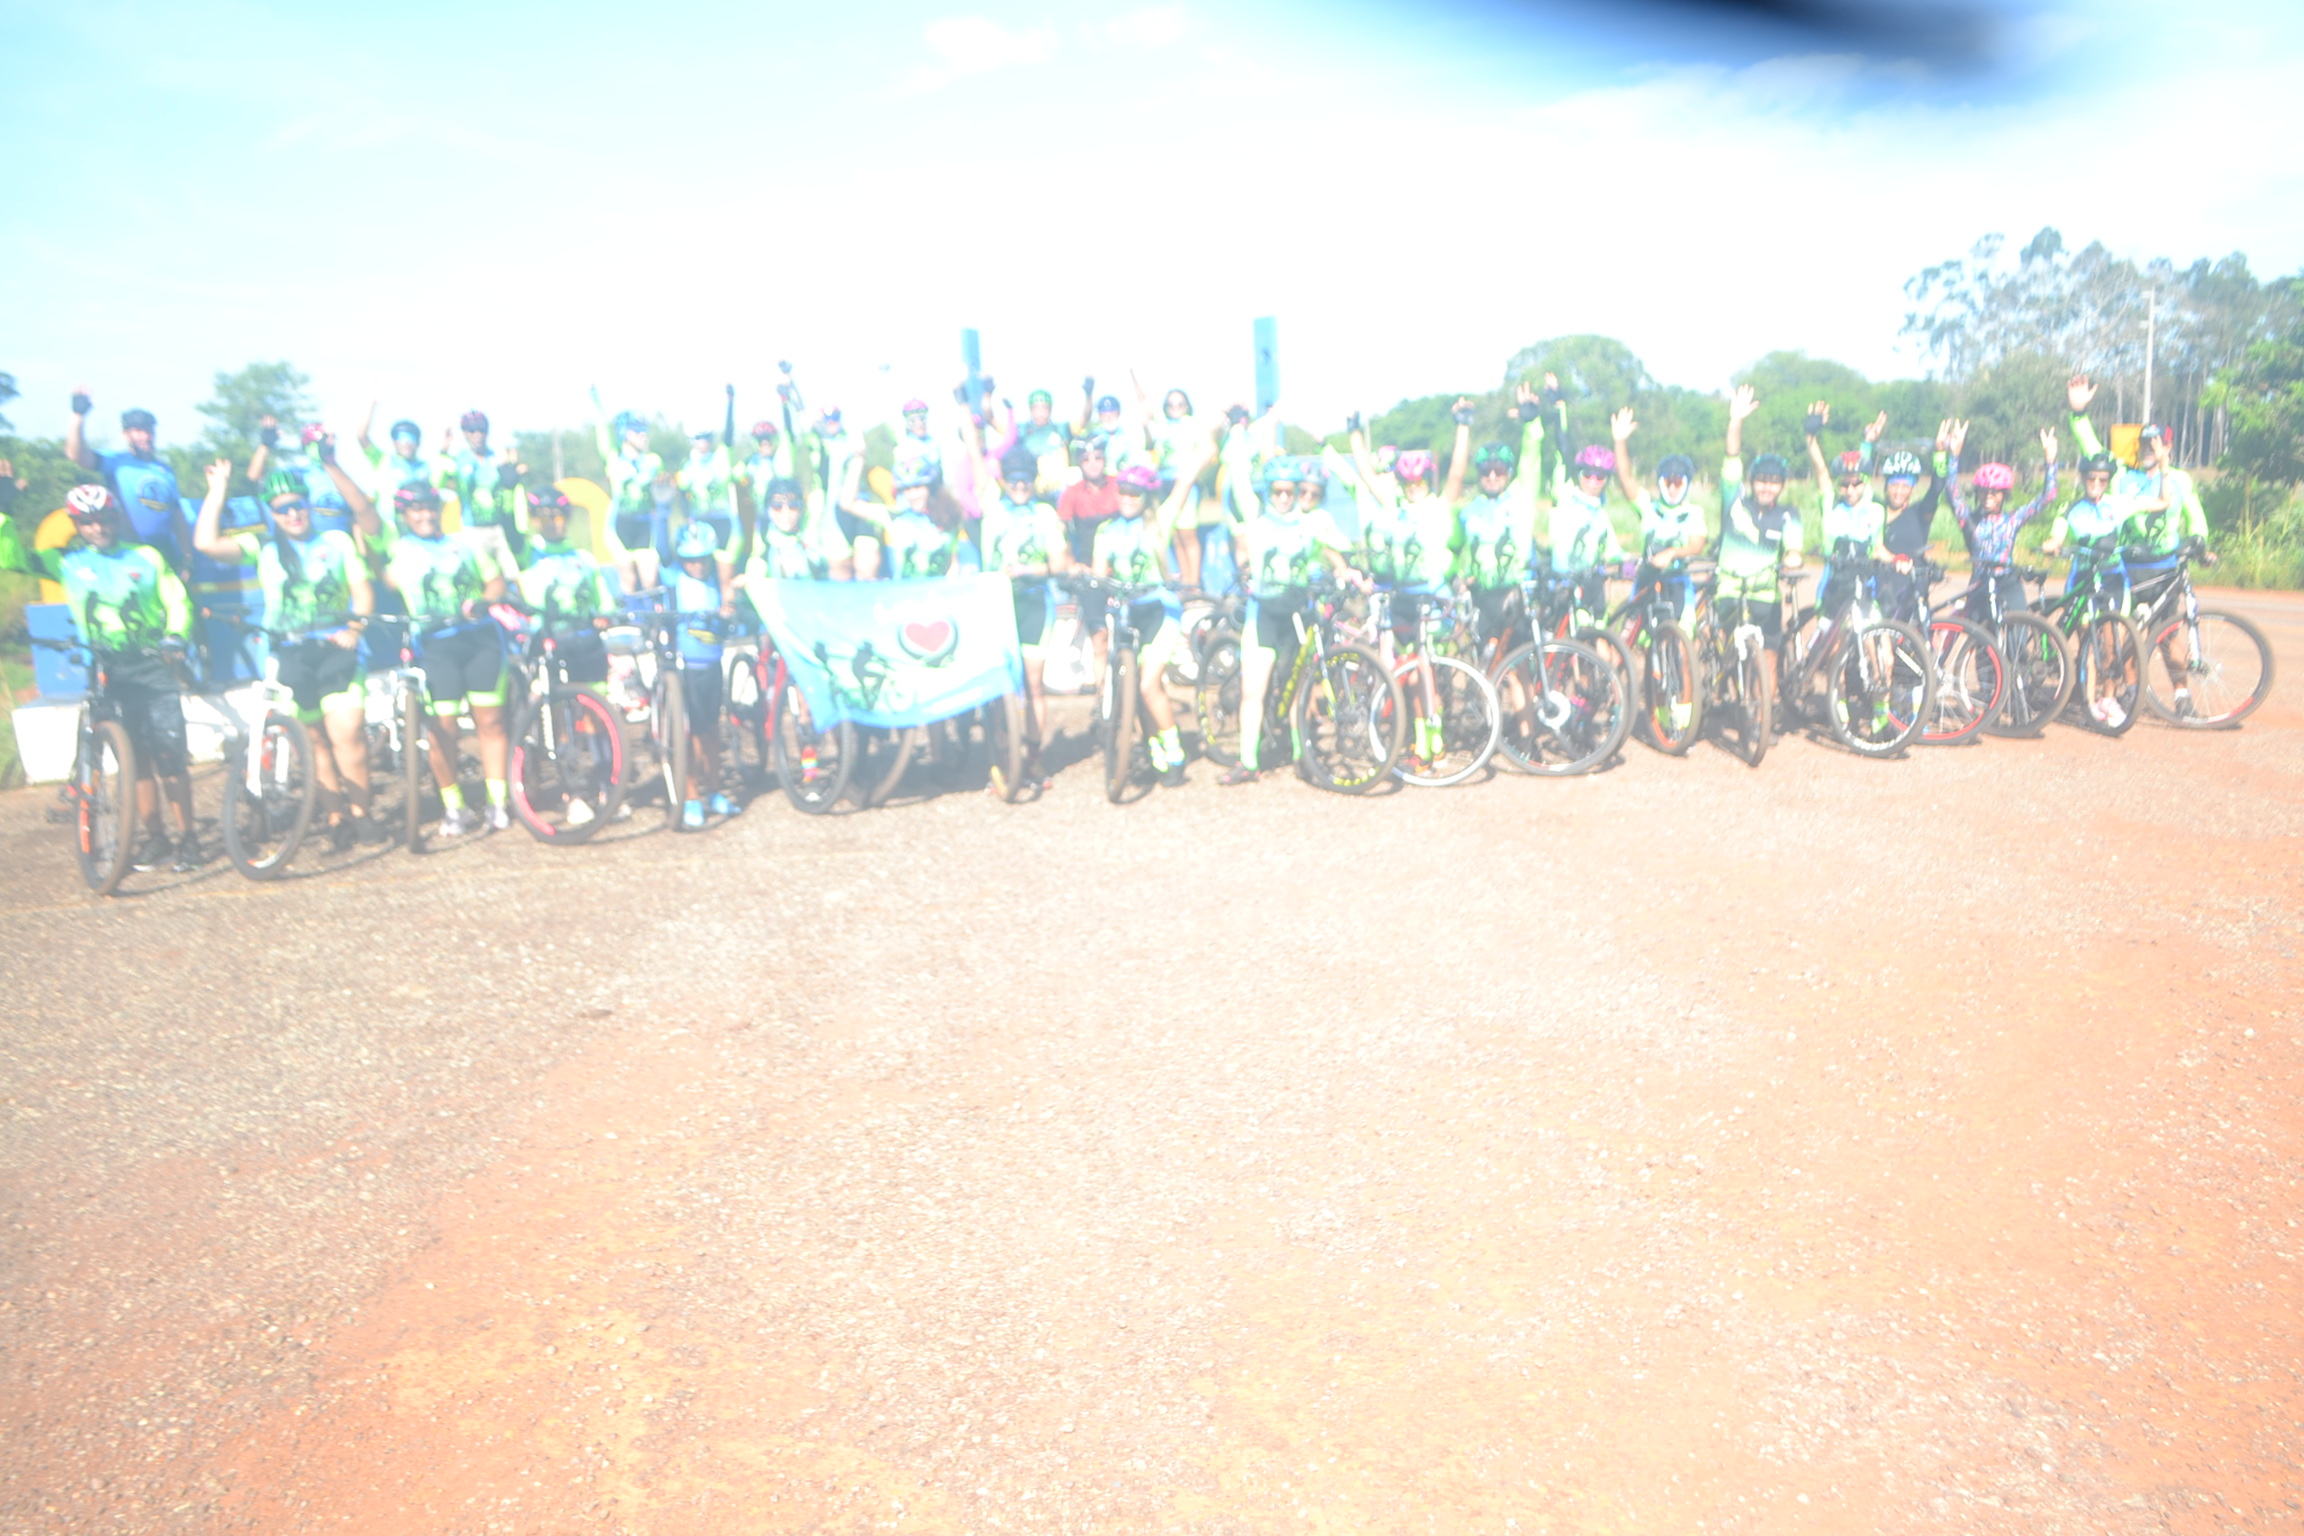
88,519
1283,490
295,504
783,503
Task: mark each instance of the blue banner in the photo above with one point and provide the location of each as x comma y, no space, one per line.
896,653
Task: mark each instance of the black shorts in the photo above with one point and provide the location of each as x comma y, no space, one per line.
1146,618
1499,611
316,669
637,531
584,654
853,527
700,688
144,696
1031,612
1276,617
1769,616
463,663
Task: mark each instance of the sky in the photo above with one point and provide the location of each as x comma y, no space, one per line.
442,206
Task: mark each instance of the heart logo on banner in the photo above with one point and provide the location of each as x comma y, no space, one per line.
930,642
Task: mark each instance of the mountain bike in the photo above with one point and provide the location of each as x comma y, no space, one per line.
2093,617
100,796
1552,598
1733,659
1869,678
1337,706
568,761
2204,668
668,727
2036,657
1971,672
1121,726
1565,707
270,784
398,707
1458,719
774,726
1671,685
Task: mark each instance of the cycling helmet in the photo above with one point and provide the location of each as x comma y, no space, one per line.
915,407
782,485
1494,456
695,541
1018,463
629,422
86,501
312,433
1848,466
1995,477
1676,466
1770,466
1279,471
1596,460
828,417
915,474
764,431
286,482
1138,480
1107,403
472,421
411,496
1900,466
1039,397
2154,433
549,498
407,429
2099,464
137,421
1415,464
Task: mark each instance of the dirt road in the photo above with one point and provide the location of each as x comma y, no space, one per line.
1835,1147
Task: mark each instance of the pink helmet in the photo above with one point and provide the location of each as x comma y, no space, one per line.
1414,464
765,431
1139,479
313,432
915,407
1995,477
1596,460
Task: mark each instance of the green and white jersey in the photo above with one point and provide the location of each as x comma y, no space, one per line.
389,470
917,548
307,582
1019,533
709,484
1405,540
434,577
1754,541
568,581
1131,549
1864,523
1285,551
1664,526
1495,535
801,555
2149,533
1582,534
125,595
484,503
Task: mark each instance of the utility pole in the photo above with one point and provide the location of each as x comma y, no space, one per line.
1267,334
2151,323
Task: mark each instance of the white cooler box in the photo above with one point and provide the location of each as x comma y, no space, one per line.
46,730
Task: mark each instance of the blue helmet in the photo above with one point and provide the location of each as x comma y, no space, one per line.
695,541
1676,466
407,429
629,421
1771,466
1107,403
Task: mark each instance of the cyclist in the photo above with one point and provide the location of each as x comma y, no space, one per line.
1022,537
702,605
837,468
1124,442
1582,538
1048,440
1088,501
918,456
142,483
331,513
1404,545
770,460
404,464
636,532
1281,550
565,580
1131,548
912,540
1906,519
1672,529
493,513
446,585
796,541
1991,528
1496,526
134,615
317,600
1854,527
1178,437
1760,536
707,485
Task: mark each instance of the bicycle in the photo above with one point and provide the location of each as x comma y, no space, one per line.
1552,597
567,763
1564,705
1671,687
1732,658
668,727
397,711
270,783
100,796
2094,618
812,766
1120,723
1971,671
1338,707
2036,657
2204,668
1457,697
1876,676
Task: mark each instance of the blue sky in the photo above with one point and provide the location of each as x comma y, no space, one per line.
446,206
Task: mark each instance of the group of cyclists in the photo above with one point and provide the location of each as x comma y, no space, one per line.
1152,509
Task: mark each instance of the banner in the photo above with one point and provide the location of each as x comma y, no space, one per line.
896,653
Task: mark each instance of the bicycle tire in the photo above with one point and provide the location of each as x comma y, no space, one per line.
414,755
2040,675
2206,673
2108,667
1798,642
1350,720
1758,706
1671,690
1971,681
1216,701
1619,655
1006,722
105,817
1882,690
263,830
671,709
813,788
901,746
1564,708
1116,708
745,706
1471,720
582,763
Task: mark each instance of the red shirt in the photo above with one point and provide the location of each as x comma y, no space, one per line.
1086,498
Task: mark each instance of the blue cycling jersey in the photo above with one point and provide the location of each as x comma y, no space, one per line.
147,488
694,596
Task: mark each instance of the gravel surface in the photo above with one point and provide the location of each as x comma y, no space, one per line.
1841,1146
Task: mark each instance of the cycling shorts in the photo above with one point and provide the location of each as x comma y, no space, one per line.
1588,590
1499,612
641,530
324,676
463,666
700,688
2013,598
1158,641
1271,622
142,693
584,654
853,527
1031,612
1769,615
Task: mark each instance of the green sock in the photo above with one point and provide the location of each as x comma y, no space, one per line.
452,797
498,794
1172,744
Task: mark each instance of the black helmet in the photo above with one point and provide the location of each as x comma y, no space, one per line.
1771,466
1676,466
1019,463
2099,464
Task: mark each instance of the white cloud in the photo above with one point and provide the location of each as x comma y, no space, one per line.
974,45
1155,26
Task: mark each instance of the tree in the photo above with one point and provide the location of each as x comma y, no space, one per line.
2262,399
236,412
7,393
1787,383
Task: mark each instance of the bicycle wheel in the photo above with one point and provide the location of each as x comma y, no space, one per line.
671,715
1216,701
746,705
2040,672
268,804
104,785
2109,672
1795,695
1671,692
2205,673
1740,709
414,766
901,744
1116,722
1971,681
1469,722
1351,720
1619,655
1564,708
813,766
567,766
1882,691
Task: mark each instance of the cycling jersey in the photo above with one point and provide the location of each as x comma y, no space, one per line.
390,471
798,556
1906,532
124,596
917,548
567,582
1019,533
709,484
917,459
1496,535
1583,536
1131,550
1664,526
2091,521
762,468
1864,523
632,479
1056,437
697,600
484,503
435,577
1405,541
1992,536
1754,541
147,489
2154,535
307,582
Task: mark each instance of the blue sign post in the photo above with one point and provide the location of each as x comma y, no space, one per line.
972,360
1267,363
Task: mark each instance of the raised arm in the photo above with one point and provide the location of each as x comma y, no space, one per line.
76,435
2077,394
208,534
1460,456
367,437
1819,416
362,504
1621,425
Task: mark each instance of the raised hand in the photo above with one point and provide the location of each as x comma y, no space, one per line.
1622,424
1879,425
1462,410
1943,434
219,476
2079,392
1742,403
2048,444
81,403
1955,436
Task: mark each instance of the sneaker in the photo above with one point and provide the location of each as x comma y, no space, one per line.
2114,716
692,816
188,855
723,806
340,836
2182,703
460,821
153,854
1239,776
1172,776
579,813
499,818
367,830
